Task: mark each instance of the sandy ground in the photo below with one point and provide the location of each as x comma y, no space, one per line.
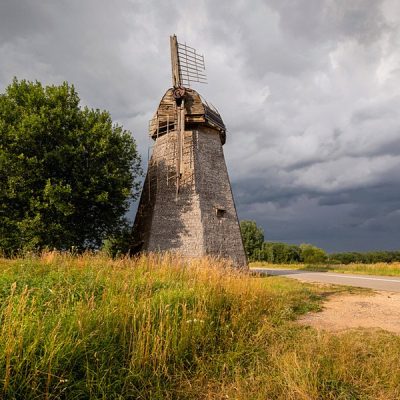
341,312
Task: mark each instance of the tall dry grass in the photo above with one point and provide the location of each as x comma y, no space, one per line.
389,269
157,327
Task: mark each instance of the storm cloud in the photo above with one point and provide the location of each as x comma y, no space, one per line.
308,89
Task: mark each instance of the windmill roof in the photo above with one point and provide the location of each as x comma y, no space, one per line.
198,111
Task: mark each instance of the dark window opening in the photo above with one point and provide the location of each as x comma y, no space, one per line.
221,213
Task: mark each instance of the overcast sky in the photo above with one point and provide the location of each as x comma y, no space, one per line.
308,90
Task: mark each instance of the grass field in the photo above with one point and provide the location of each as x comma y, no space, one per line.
88,327
388,269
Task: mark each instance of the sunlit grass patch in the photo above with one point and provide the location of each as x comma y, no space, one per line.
160,327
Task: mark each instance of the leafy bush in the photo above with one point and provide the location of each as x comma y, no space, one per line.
312,255
280,253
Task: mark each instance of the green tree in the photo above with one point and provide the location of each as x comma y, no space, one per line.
253,239
67,174
312,255
281,253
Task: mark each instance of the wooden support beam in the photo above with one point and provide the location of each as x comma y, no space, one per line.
176,79
180,138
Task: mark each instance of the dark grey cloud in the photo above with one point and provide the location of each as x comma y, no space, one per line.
308,90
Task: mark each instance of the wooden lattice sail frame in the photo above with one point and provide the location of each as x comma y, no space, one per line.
187,64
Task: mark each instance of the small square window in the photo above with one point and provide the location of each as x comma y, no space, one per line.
220,213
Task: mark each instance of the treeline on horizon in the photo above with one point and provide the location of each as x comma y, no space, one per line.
257,249
283,253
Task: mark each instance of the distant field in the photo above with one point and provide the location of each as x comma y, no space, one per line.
88,327
388,269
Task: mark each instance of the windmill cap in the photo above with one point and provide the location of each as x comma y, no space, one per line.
197,112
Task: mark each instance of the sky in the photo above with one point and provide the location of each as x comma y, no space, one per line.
309,91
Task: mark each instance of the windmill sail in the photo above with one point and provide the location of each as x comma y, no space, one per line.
188,65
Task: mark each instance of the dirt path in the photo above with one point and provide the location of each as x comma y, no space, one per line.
376,310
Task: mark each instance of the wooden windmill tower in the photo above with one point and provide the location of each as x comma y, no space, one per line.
186,203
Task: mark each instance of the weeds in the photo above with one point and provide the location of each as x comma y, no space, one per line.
157,327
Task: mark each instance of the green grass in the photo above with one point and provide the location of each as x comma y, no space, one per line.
87,327
382,269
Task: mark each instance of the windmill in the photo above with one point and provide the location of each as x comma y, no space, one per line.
187,204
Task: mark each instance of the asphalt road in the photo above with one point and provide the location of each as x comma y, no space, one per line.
388,283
